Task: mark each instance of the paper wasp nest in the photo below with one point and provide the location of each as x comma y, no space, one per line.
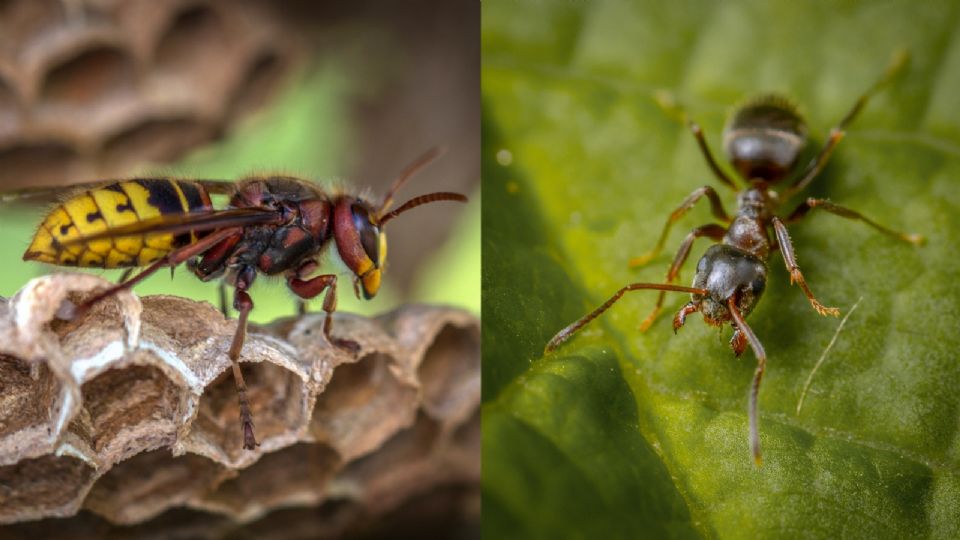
131,411
90,88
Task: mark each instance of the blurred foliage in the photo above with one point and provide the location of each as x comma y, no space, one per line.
624,435
304,133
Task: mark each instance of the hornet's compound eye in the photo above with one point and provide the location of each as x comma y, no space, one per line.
368,232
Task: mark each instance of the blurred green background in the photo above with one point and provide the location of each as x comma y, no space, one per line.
319,127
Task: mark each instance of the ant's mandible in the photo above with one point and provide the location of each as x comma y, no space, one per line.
763,141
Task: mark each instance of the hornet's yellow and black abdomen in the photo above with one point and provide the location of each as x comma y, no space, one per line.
107,207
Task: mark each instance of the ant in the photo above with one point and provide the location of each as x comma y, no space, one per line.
762,141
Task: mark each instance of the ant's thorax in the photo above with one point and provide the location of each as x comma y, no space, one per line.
748,231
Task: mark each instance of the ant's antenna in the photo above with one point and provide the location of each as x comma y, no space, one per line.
574,327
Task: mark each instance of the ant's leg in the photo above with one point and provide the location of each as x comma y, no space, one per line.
815,166
667,102
313,287
842,211
897,62
243,304
707,155
716,206
838,131
757,376
790,259
711,230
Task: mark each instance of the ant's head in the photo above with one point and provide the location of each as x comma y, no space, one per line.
764,138
358,228
725,272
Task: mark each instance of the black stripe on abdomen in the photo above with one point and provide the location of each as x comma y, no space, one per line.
197,199
191,192
164,197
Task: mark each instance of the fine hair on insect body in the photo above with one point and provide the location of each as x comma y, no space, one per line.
272,225
763,141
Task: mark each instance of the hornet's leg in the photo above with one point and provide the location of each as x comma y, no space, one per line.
843,211
790,259
757,376
125,275
711,230
171,259
838,131
224,308
305,269
243,304
313,287
715,205
572,329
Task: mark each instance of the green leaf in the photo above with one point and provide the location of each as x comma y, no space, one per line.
622,434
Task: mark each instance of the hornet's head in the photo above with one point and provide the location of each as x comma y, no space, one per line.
358,228
361,242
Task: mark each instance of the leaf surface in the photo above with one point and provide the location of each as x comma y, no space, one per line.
621,434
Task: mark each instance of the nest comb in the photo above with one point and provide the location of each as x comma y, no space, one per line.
89,89
130,414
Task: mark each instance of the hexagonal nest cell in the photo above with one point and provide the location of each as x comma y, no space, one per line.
39,163
363,405
9,109
131,414
150,482
47,486
194,33
447,370
92,75
124,84
289,477
278,400
155,140
24,20
28,399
